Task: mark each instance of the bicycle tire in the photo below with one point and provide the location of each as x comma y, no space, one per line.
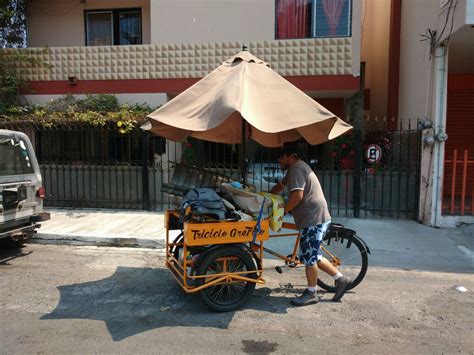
174,249
354,266
228,296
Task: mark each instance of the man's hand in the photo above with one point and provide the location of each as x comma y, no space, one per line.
295,198
277,188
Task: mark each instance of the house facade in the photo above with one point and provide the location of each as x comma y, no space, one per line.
437,86
147,51
175,43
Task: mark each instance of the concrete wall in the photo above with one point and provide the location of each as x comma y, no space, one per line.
423,91
196,21
417,17
375,45
463,15
58,23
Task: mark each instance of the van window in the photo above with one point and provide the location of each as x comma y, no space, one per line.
14,157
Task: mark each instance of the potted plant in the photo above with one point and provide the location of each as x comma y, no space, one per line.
343,151
187,157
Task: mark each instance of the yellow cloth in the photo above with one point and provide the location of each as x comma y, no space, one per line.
278,210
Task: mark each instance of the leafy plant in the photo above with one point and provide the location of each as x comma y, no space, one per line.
343,147
188,154
11,82
12,23
95,110
101,103
12,38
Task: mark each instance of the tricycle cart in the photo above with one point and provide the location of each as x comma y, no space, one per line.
223,262
241,99
216,259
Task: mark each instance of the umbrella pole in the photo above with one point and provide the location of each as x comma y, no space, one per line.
243,166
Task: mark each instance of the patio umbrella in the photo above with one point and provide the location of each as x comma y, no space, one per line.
245,92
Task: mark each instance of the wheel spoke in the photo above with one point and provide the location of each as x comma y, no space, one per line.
230,293
352,256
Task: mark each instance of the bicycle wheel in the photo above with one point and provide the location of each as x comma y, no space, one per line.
226,296
174,249
351,256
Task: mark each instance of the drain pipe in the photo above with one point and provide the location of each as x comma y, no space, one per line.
440,132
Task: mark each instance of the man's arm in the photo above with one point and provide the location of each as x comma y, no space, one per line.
277,188
295,197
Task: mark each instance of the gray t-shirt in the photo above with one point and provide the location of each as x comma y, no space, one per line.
313,208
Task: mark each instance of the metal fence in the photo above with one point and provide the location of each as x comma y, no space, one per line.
458,196
373,176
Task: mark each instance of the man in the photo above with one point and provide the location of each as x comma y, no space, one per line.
309,208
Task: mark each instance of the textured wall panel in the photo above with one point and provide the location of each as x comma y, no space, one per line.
328,56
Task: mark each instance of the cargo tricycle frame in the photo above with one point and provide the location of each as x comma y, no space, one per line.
222,261
216,259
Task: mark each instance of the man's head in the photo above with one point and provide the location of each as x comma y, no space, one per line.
289,154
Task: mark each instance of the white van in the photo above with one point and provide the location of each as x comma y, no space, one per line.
21,189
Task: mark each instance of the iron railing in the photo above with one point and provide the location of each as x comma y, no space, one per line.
99,167
458,184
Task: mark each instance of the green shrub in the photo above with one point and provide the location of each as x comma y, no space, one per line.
95,110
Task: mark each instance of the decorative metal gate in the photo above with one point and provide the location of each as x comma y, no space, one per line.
386,184
98,167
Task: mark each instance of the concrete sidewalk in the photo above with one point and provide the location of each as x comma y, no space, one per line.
104,228
393,243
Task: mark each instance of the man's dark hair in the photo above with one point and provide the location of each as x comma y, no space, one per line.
291,148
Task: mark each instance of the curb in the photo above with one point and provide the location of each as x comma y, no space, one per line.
129,242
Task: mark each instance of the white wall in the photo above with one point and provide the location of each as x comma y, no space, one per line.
415,65
423,91
196,21
416,68
463,14
59,23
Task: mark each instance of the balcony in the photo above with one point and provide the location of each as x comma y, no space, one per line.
301,57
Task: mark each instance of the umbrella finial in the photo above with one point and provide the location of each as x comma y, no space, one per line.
244,48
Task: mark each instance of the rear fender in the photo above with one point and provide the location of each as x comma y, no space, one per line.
339,228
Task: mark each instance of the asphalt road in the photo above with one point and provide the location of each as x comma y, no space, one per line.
84,300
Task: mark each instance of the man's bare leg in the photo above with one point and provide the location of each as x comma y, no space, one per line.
312,275
327,267
309,295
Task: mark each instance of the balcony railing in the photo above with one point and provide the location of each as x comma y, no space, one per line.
326,56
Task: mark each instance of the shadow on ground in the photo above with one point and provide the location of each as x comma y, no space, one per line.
8,254
135,300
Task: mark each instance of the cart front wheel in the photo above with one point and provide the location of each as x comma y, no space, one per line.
230,294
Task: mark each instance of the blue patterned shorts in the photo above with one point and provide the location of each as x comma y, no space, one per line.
311,238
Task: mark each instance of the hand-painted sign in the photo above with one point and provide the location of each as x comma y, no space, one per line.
223,232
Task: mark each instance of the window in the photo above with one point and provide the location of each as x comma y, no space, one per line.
15,157
313,18
113,27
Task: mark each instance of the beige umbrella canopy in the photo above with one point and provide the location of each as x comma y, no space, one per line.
244,87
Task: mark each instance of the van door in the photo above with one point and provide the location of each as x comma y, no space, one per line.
20,179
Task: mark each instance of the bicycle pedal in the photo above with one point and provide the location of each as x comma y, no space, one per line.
278,269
